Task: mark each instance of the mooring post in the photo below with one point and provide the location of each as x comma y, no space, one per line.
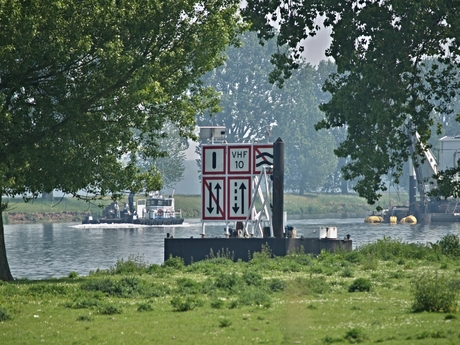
278,188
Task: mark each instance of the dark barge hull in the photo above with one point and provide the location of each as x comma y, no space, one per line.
152,222
427,218
197,249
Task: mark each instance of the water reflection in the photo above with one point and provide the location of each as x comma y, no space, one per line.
38,251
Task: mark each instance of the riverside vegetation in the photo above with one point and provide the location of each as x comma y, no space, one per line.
70,209
388,292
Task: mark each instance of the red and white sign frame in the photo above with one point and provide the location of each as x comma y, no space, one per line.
262,156
213,159
213,190
239,197
239,160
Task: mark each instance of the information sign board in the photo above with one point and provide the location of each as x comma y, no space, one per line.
239,192
239,159
212,198
213,159
262,156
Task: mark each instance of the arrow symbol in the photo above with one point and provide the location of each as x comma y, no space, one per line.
216,198
236,208
242,189
217,188
210,208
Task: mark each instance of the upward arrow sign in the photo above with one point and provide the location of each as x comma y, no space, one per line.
214,198
236,208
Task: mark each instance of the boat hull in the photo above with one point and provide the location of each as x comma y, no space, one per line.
152,222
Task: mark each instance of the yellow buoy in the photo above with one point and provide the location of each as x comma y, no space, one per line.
393,219
373,219
409,220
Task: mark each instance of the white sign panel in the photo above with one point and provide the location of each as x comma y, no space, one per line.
212,197
262,156
239,191
239,159
213,159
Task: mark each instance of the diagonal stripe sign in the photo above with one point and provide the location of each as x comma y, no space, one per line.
263,156
213,196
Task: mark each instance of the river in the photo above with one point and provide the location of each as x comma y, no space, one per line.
40,251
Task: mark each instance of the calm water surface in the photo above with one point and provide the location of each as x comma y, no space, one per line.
39,251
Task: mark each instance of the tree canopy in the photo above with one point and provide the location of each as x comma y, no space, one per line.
250,104
83,83
384,90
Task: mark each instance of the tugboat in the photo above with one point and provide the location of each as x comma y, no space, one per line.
154,210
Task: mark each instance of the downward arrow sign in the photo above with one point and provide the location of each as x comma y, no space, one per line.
235,208
217,188
210,208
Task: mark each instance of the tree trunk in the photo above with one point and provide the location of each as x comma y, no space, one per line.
48,196
344,186
5,273
343,182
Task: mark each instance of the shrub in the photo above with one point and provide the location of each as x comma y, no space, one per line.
144,307
347,272
125,287
355,335
307,286
72,275
109,309
360,284
264,255
276,285
184,304
450,245
434,293
228,282
252,278
4,316
187,286
354,257
174,262
217,304
389,248
225,323
253,296
83,303
134,264
41,289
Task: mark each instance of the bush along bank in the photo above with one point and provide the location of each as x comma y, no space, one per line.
361,296
42,217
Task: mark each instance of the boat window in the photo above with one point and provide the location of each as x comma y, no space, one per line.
158,202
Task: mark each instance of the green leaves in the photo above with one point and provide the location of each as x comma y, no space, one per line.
397,62
84,83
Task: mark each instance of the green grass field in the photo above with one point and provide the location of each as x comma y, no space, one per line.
386,292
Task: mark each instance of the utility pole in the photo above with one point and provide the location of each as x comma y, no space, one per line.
278,188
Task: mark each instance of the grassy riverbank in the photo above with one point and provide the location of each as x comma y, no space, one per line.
385,292
70,209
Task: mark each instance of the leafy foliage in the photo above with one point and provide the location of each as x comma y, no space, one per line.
360,284
185,303
4,315
391,79
434,293
450,245
84,84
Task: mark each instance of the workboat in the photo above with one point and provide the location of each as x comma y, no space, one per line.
155,210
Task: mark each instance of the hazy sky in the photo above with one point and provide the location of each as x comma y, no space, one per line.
316,46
